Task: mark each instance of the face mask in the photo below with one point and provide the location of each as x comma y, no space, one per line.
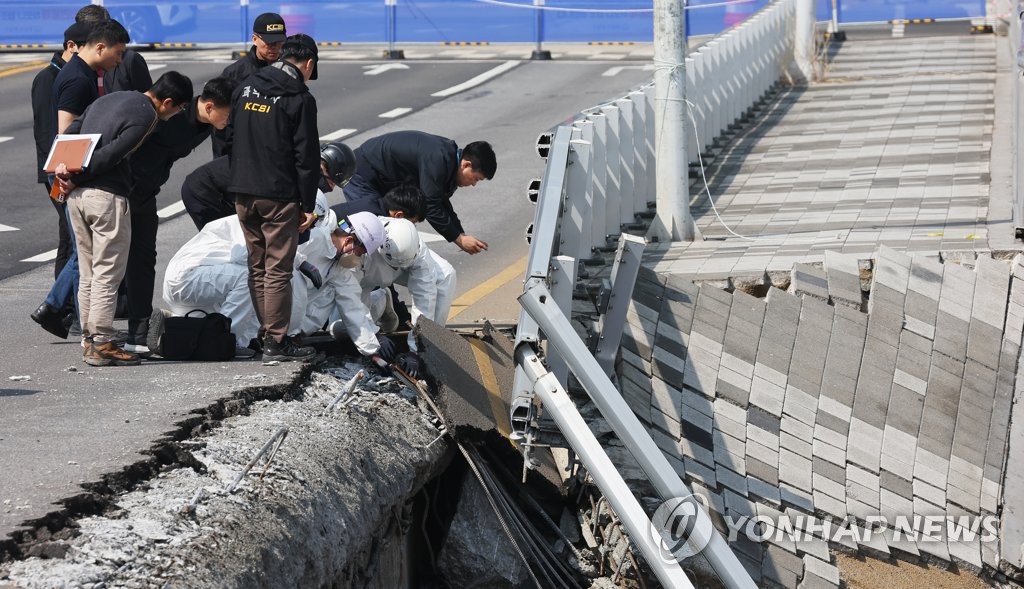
349,261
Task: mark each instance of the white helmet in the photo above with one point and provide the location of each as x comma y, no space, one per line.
402,242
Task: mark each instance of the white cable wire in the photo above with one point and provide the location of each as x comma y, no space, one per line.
700,160
611,10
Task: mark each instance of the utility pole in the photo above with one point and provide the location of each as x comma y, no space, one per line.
803,43
673,220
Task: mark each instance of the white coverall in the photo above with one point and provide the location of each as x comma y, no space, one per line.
429,278
210,272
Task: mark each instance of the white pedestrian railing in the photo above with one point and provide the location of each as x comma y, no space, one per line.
1014,11
598,181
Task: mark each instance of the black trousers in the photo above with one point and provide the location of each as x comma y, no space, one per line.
140,276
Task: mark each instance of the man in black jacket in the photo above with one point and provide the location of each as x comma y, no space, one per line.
275,171
435,164
98,204
172,140
43,130
268,35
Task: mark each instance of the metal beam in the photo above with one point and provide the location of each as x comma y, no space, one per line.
537,302
613,320
560,407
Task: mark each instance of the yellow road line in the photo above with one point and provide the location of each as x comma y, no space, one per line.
18,69
490,382
486,287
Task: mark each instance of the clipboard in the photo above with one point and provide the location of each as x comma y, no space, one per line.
74,151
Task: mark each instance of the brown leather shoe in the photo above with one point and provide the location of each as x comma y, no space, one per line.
108,354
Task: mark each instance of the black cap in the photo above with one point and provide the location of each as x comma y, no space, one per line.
78,32
270,27
304,46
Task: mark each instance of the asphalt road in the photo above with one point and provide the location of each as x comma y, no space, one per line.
66,423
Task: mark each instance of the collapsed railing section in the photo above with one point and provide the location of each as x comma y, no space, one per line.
598,187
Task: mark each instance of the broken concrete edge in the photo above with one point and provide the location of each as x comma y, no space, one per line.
101,495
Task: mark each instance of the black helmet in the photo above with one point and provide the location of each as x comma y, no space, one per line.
341,162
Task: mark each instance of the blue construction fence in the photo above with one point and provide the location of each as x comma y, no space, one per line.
425,21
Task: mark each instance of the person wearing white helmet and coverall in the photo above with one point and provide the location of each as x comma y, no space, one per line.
405,259
363,310
210,272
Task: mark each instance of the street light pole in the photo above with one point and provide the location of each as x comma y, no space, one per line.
673,220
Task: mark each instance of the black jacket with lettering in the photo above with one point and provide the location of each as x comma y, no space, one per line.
276,148
417,158
241,69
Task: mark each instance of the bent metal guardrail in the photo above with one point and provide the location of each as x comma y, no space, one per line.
598,178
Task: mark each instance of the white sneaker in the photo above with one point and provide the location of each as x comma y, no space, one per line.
135,348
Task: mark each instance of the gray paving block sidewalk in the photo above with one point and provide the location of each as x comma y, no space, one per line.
893,148
882,382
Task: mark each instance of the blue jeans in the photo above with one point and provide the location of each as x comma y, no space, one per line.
64,291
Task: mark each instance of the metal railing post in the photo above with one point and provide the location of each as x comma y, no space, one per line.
563,281
803,41
391,24
537,302
538,32
578,205
612,322
563,411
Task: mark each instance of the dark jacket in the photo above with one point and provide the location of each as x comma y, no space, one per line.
241,69
131,74
172,140
276,149
124,120
205,191
363,205
43,122
413,157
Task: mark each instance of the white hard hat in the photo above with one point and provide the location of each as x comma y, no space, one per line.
367,228
402,243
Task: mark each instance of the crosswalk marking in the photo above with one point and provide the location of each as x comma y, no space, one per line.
394,113
339,134
171,210
43,257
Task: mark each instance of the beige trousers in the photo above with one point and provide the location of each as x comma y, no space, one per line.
103,233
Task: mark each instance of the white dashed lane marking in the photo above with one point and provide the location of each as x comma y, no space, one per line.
4,139
339,134
171,210
7,228
373,70
43,257
394,113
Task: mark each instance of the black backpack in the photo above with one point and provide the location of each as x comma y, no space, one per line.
207,337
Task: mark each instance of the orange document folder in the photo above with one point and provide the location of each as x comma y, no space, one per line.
74,151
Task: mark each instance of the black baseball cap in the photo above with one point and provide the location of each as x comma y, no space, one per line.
78,32
305,46
270,27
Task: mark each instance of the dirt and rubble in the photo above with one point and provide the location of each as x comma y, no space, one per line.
328,493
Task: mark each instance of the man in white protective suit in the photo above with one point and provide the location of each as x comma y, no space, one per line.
366,314
210,271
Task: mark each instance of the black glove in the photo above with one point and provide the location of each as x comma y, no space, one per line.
309,271
387,348
411,364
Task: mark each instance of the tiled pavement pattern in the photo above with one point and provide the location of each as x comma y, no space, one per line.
893,148
834,401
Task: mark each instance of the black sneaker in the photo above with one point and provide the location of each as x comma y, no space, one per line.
155,332
286,351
